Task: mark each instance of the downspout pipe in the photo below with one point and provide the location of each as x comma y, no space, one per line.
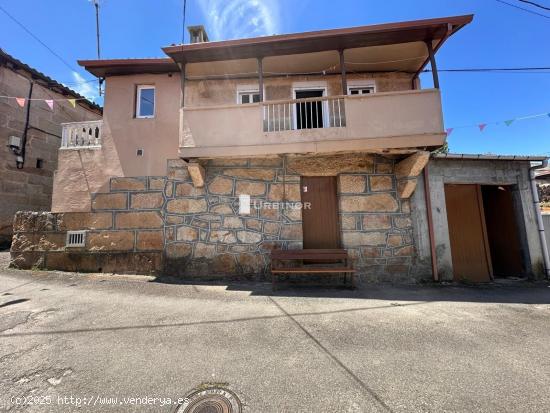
538,215
21,158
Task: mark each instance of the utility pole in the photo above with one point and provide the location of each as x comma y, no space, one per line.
96,5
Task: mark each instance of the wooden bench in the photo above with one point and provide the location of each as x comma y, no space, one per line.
312,261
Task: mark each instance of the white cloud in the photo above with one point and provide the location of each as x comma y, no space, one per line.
84,87
235,19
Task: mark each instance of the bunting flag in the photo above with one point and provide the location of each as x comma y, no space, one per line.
50,102
481,126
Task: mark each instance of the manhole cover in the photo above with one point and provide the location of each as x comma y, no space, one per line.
212,400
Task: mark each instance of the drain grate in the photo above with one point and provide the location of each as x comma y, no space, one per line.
212,400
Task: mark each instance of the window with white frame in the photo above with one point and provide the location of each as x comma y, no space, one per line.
360,90
248,96
145,101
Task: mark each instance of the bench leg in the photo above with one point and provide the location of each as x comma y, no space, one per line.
274,281
352,279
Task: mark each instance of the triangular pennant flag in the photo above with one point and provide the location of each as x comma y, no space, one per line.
73,102
49,102
20,101
481,126
449,131
508,122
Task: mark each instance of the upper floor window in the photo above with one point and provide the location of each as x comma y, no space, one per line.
360,90
145,101
248,96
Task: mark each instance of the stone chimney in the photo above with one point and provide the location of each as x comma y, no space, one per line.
197,34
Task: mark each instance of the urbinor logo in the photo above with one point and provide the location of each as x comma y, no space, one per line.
246,203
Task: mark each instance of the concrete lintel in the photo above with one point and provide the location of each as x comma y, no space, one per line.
412,165
406,187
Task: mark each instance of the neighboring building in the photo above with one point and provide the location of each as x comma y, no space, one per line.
334,118
543,182
26,182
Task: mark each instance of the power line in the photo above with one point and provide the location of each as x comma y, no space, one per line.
535,4
497,69
38,39
524,9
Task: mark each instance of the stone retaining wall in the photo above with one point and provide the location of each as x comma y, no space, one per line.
165,224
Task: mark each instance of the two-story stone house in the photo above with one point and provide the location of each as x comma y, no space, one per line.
334,119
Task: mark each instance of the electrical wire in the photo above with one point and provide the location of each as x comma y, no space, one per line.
37,39
45,45
535,4
524,9
517,70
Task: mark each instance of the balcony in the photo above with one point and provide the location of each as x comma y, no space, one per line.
81,135
377,122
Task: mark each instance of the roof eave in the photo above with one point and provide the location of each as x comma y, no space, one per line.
381,34
465,156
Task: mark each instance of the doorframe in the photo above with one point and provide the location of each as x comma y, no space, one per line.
312,86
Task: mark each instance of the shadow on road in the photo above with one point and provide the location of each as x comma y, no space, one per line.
521,292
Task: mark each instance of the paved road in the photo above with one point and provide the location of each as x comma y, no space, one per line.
378,349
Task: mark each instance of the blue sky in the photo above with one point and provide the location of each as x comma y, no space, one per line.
500,36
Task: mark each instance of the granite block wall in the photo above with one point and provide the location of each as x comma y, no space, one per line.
167,225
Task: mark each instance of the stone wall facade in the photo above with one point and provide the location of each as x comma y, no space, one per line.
30,188
166,224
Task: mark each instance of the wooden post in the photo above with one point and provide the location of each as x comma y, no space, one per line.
261,78
433,64
343,73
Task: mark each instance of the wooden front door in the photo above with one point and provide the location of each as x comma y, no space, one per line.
320,212
467,233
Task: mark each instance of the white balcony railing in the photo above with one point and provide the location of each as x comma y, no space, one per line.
77,135
400,119
311,113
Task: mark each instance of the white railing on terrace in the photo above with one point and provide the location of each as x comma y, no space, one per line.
78,135
311,113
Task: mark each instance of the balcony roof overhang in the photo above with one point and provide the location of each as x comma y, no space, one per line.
319,41
378,37
114,67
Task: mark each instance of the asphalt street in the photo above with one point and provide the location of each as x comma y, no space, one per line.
91,342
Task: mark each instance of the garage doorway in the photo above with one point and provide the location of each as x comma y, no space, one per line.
320,225
503,230
483,232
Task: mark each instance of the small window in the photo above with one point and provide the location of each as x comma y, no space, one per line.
361,90
39,163
145,102
139,152
76,239
252,96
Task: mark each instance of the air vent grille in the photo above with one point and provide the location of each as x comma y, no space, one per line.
76,238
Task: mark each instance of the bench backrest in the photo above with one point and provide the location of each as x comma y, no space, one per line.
309,254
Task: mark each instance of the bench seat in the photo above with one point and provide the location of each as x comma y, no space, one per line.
311,261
